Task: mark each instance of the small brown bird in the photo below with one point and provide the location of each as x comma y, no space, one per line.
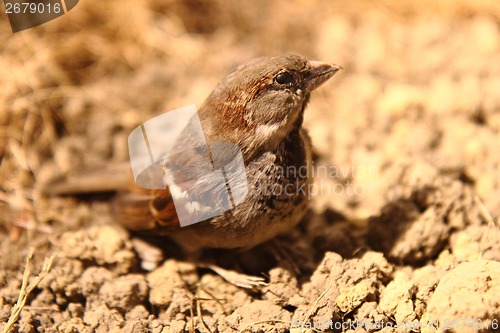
259,107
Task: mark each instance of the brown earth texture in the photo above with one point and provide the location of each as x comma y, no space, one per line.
402,234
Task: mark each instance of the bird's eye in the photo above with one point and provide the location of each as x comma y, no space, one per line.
284,78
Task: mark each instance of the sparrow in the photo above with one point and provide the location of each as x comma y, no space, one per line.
258,108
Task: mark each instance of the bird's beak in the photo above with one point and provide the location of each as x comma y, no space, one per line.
319,73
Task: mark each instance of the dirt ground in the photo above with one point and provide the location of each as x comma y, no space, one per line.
403,231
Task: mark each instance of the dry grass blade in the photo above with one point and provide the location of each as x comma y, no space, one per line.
27,289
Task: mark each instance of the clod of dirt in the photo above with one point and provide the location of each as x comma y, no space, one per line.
352,297
368,315
104,245
101,318
136,326
5,310
62,280
414,236
282,286
415,225
92,279
258,316
169,279
219,297
466,299
426,279
73,325
396,298
339,286
475,242
125,292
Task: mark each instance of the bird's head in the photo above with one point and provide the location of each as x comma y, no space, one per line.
261,102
